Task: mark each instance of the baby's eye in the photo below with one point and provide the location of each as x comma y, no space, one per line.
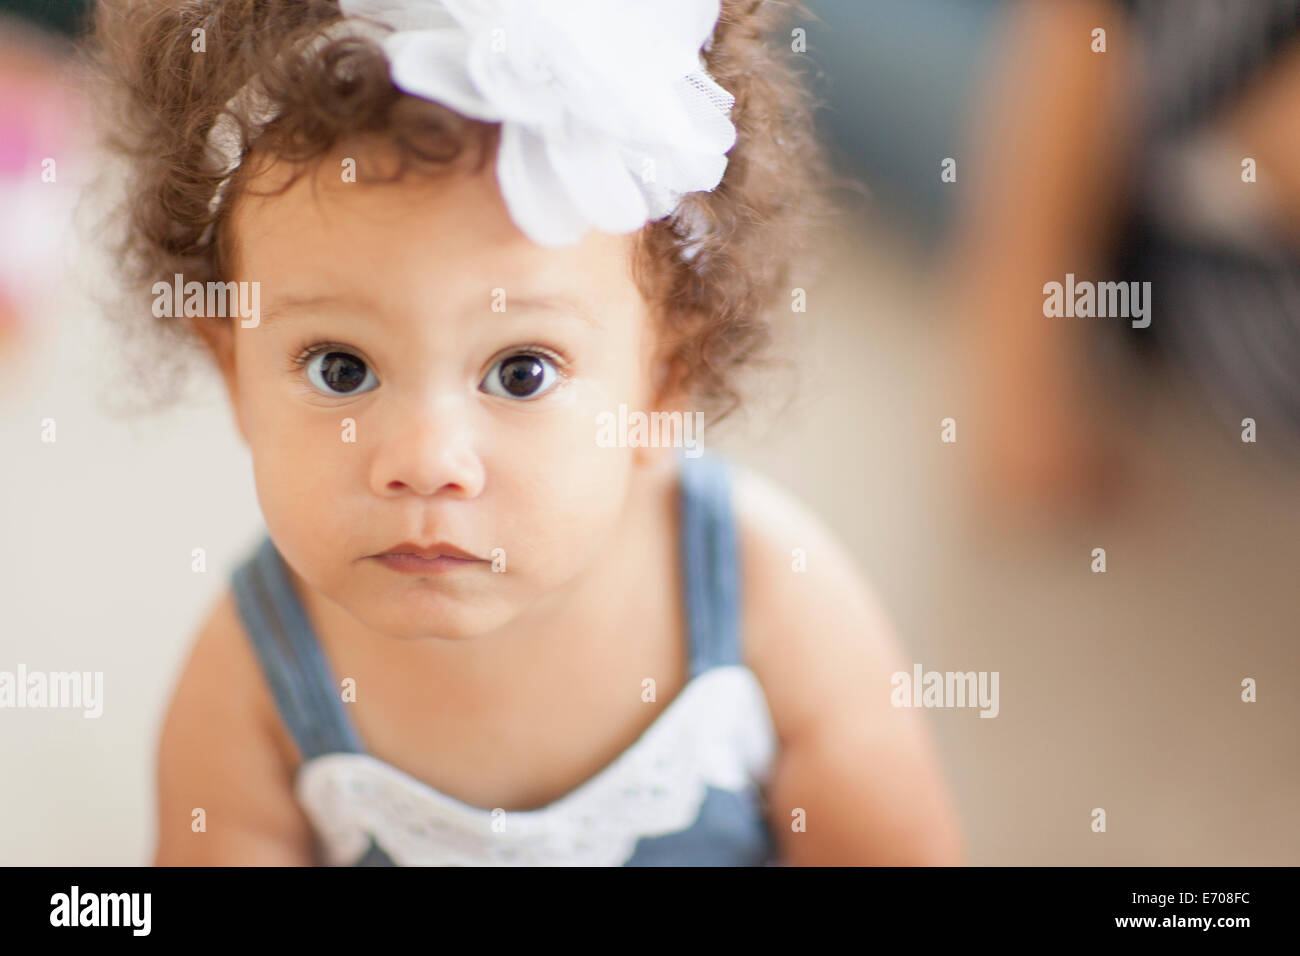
339,373
521,375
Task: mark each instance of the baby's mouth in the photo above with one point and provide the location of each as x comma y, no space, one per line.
438,558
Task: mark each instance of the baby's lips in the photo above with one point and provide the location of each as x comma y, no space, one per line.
439,549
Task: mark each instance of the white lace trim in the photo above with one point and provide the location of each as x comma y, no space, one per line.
717,732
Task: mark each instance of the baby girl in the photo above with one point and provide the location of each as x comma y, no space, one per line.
474,632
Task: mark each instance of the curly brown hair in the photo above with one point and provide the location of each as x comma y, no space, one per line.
159,99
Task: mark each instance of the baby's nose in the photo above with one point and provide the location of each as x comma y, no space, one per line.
429,451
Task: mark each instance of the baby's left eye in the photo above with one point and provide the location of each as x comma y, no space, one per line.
523,375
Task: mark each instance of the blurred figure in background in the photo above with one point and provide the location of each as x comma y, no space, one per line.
1140,141
41,118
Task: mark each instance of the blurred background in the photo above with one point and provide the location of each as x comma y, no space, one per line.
1120,690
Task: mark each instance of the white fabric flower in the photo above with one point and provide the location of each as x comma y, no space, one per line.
607,114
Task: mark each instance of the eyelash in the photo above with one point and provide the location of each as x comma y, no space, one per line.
299,357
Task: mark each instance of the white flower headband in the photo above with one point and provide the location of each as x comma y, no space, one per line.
607,114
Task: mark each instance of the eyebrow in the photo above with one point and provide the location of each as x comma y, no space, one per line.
557,304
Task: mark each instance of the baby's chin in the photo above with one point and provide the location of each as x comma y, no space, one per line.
429,609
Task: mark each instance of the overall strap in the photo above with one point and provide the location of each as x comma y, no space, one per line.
710,564
301,681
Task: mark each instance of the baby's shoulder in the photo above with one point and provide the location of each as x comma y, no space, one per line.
219,750
223,679
791,559
808,611
824,654
219,655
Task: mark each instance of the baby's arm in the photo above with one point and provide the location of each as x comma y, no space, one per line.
863,772
218,752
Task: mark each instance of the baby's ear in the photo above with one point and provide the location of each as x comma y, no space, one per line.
218,336
668,382
667,394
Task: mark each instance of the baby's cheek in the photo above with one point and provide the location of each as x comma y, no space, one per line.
302,470
589,504
560,519
295,456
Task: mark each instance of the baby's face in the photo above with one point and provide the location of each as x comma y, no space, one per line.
423,373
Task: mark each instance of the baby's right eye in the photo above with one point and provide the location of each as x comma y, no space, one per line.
335,372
